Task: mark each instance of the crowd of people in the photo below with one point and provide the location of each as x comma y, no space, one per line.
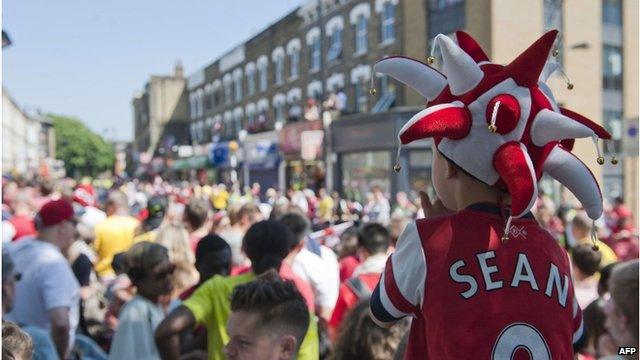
151,269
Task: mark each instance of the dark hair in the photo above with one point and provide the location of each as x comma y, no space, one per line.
299,226
141,258
605,274
213,256
16,344
349,245
361,338
278,304
196,212
585,259
594,318
266,243
374,237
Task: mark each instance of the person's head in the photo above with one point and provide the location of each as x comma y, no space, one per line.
46,186
580,226
9,278
213,257
56,223
157,210
266,244
175,238
621,308
269,319
117,203
299,226
594,319
455,187
373,239
149,269
605,275
16,344
348,242
247,215
361,338
585,261
196,214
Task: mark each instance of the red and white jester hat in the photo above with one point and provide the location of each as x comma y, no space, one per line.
501,124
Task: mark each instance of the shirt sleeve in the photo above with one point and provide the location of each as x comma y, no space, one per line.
200,303
59,285
579,333
400,290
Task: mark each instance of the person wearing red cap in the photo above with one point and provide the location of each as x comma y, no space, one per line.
48,294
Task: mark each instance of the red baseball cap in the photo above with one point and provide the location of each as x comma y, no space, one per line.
55,212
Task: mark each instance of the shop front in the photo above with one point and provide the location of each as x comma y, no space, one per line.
302,144
365,151
262,160
226,159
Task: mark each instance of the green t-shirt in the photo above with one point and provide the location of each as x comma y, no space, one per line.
211,306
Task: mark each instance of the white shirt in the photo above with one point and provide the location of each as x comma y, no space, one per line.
134,337
322,273
373,265
47,283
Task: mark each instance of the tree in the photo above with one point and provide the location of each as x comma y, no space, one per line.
83,151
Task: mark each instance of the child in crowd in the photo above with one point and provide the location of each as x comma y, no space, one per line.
479,276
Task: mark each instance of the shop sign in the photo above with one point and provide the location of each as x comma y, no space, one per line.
291,135
311,144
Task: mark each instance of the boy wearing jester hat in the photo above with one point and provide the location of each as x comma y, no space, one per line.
479,276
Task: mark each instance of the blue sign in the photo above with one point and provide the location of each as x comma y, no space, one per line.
219,155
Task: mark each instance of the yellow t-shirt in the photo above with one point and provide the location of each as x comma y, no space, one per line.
325,208
211,306
148,236
220,199
113,235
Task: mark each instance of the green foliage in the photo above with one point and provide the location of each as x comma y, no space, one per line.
84,152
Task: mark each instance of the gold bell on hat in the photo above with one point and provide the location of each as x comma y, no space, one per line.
372,91
600,160
556,52
570,86
431,59
493,128
397,168
614,160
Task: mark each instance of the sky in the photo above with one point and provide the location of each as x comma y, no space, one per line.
88,58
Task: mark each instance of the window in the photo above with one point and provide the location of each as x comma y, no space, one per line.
361,35
237,87
294,63
279,70
612,121
612,67
192,105
216,97
444,17
279,111
208,99
335,47
315,54
199,98
262,73
387,23
227,90
361,98
251,83
612,12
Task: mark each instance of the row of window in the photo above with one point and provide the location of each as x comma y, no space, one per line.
210,97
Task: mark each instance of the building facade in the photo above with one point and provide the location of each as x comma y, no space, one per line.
258,96
28,140
160,116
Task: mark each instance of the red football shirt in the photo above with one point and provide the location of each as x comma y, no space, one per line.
347,298
471,295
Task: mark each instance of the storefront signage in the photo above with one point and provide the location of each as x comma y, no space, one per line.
291,135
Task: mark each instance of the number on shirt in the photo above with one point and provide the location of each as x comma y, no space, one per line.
520,336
